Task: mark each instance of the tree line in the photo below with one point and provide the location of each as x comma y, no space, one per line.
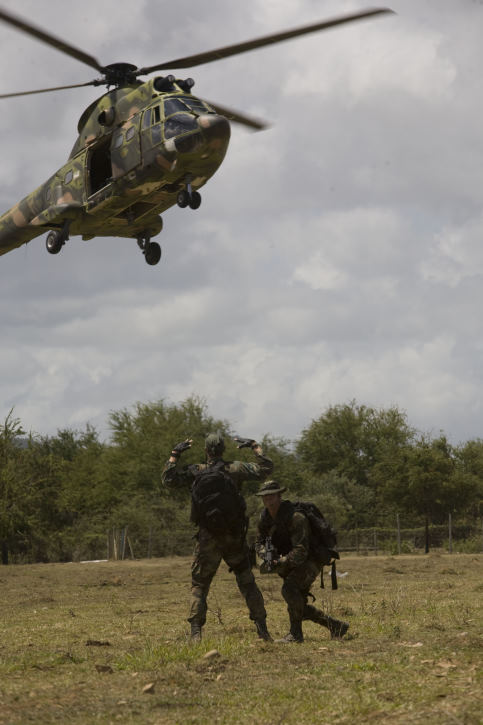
61,495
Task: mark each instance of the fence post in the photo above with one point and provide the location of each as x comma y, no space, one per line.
123,546
114,544
426,535
150,542
450,534
375,542
398,534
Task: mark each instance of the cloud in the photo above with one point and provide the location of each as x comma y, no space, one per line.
456,254
335,256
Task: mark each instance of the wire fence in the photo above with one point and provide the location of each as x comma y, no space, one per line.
451,537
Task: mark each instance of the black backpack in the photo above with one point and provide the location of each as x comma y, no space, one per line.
216,503
323,538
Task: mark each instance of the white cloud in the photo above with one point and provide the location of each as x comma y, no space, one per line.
335,256
329,261
456,253
396,58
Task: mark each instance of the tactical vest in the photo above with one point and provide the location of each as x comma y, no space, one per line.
278,529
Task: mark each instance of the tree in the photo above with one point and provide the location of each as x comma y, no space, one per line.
356,441
469,458
11,495
429,481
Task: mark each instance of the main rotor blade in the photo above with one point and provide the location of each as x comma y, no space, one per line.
254,123
44,37
212,55
47,90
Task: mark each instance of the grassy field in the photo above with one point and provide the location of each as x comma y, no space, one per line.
107,643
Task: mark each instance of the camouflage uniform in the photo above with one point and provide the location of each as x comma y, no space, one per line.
290,533
211,549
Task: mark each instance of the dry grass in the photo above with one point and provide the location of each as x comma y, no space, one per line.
80,642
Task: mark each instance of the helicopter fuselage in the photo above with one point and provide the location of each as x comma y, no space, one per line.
138,147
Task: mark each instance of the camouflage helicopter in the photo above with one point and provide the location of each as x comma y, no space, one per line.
142,147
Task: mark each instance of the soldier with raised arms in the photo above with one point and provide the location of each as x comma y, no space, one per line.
219,510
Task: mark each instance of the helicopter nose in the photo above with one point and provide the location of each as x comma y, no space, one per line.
216,130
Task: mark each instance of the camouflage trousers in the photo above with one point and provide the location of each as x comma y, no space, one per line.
295,590
209,552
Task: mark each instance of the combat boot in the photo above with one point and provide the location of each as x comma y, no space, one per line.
195,632
295,634
262,631
336,627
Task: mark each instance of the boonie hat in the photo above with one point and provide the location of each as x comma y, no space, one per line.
270,487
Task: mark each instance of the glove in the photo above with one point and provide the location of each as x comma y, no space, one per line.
265,569
280,565
244,442
179,448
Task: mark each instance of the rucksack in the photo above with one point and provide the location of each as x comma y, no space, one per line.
323,538
216,503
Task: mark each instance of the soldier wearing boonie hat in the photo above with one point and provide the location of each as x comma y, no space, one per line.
212,547
288,532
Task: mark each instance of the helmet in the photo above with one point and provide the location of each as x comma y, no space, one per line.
215,443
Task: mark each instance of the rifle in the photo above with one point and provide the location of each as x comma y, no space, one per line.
269,556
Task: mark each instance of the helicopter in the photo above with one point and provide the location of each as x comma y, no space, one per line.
142,147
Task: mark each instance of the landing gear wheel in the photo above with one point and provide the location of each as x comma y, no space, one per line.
183,198
195,200
54,242
152,253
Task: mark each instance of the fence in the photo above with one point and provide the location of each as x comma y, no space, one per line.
451,537
117,543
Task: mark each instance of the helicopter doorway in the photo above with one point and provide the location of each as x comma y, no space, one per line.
99,172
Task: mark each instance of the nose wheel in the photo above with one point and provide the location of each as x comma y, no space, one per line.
188,197
151,250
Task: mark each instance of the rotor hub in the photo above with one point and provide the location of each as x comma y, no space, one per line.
119,74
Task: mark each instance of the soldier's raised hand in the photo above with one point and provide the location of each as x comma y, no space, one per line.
244,442
179,448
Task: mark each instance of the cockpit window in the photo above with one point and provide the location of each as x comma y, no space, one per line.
197,106
185,103
173,105
179,123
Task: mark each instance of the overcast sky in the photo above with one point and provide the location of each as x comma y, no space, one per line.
336,256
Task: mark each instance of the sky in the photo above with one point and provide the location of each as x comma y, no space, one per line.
336,256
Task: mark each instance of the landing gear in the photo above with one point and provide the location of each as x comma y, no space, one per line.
56,240
151,250
195,200
152,254
183,199
187,197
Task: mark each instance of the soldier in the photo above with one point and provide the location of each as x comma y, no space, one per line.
229,545
290,535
